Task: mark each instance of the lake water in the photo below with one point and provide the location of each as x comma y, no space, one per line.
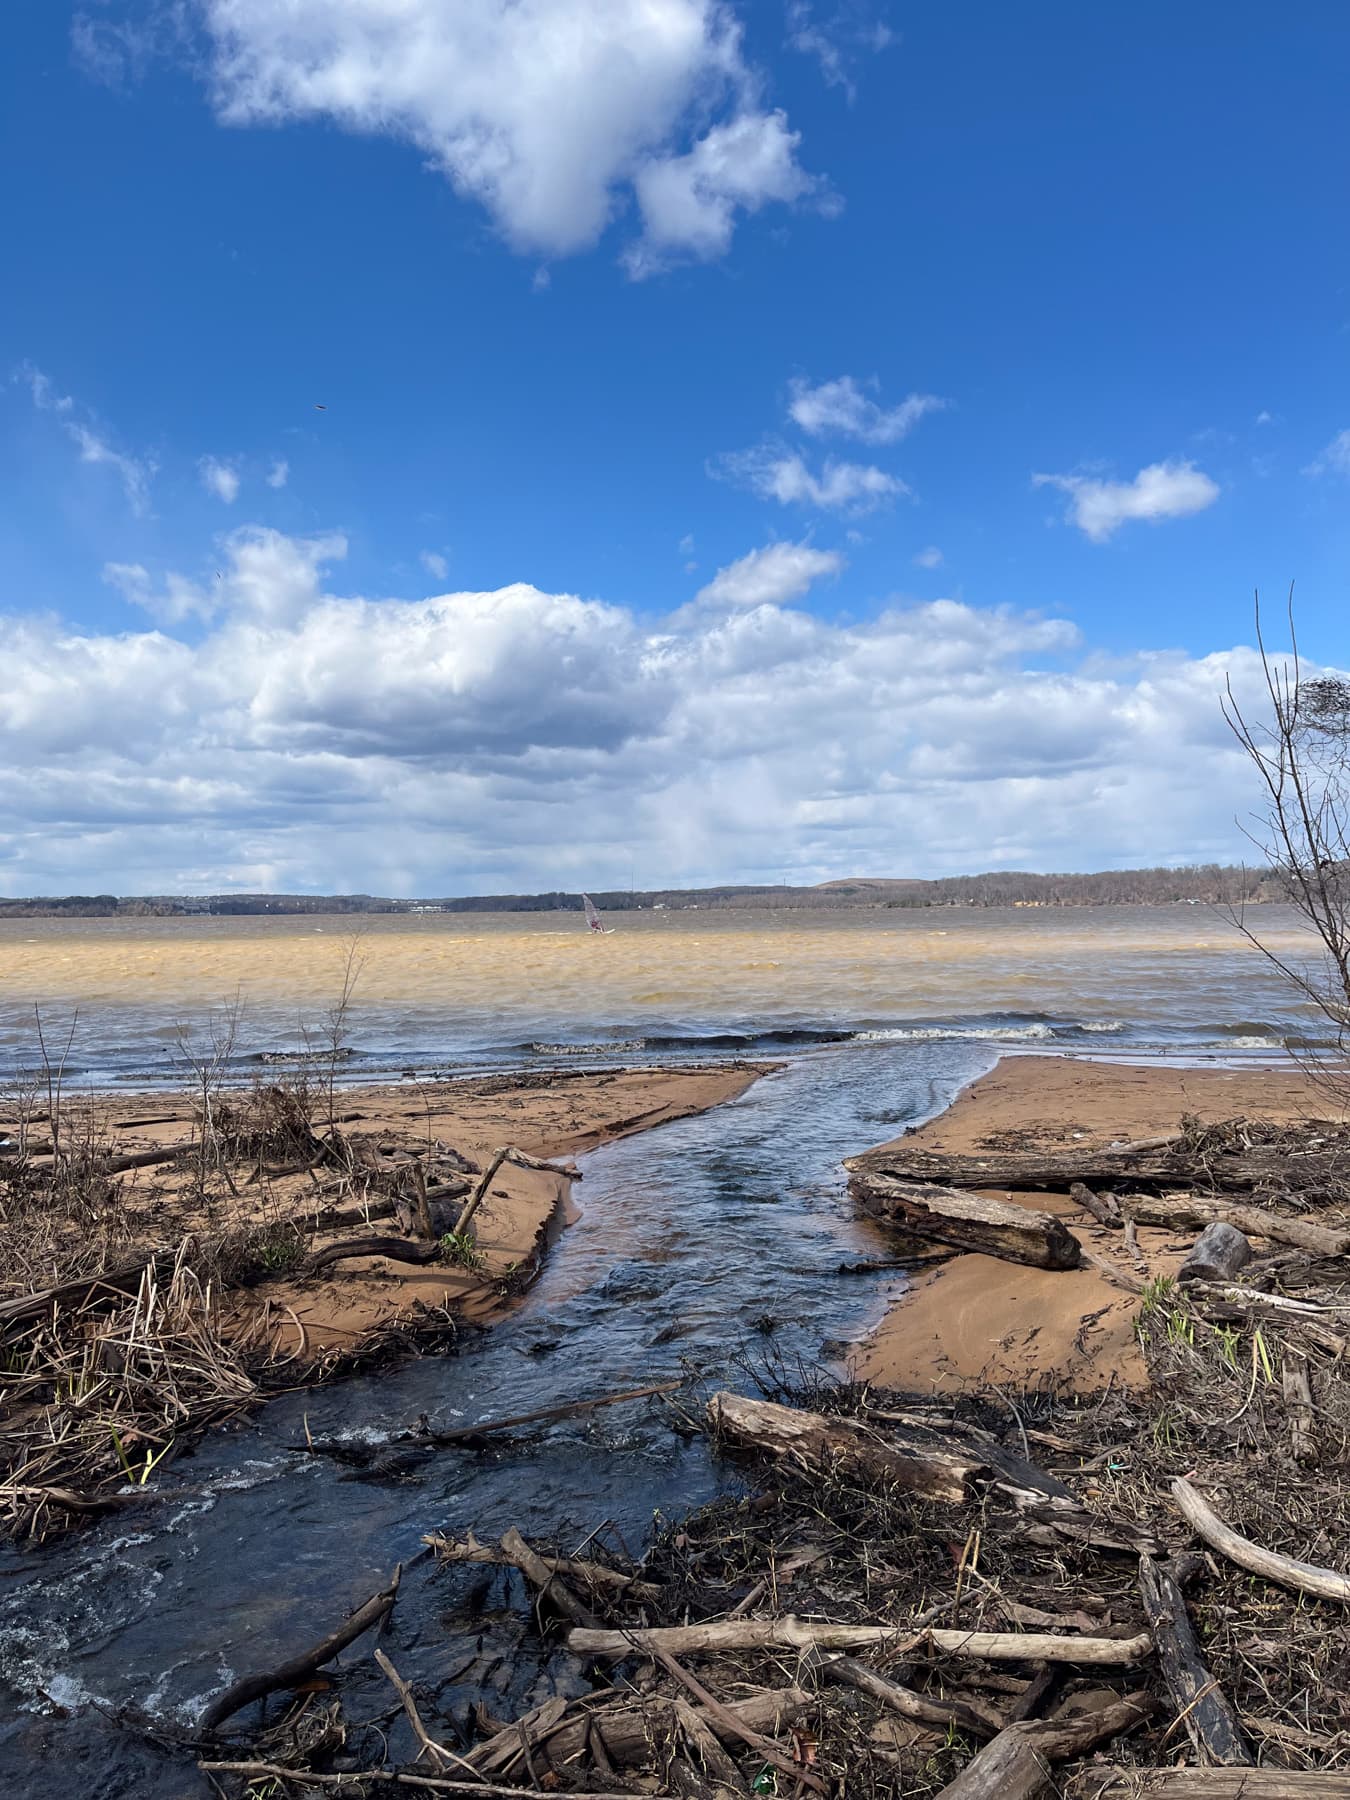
471,991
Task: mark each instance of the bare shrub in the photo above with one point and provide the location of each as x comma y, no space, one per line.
1301,752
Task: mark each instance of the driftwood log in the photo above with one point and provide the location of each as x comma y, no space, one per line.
570,1568
1016,1765
1184,1210
1298,1402
1285,1571
1216,1255
790,1633
299,1668
1220,1784
969,1221
1200,1703
820,1441
947,1714
404,1250
110,1286
1149,1166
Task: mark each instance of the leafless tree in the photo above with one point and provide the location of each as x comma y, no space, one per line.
1301,752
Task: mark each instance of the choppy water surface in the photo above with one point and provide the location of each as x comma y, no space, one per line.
459,991
689,1235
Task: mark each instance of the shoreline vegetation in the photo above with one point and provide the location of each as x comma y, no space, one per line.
170,1260
1082,1538
1210,884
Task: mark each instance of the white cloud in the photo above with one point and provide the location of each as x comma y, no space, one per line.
842,408
514,739
775,473
279,474
91,440
1265,418
929,558
541,111
1335,459
689,203
1166,490
771,575
219,478
836,42
434,564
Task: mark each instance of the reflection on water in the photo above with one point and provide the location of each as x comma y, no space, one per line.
692,1238
454,990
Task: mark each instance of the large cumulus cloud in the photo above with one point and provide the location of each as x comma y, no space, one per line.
272,731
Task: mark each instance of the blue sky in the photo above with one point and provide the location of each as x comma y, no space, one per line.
1041,314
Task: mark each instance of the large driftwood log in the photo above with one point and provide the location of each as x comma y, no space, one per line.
1211,1724
820,1441
550,1584
299,1668
969,1221
112,1285
790,1633
1016,1765
1216,1255
909,1454
1285,1571
1133,1167
1220,1784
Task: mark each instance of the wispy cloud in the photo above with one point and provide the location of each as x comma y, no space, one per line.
1335,459
1165,490
221,478
928,558
434,564
90,439
771,575
837,39
279,473
776,473
841,408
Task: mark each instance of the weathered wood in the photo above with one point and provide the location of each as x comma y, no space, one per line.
1285,1571
404,1250
817,1440
969,1221
1105,1208
508,1153
771,1754
1220,1784
571,1568
1171,1210
629,1732
791,1633
1298,1403
1199,1702
549,1583
965,1715
299,1668
1016,1765
1226,1301
1216,1255
1133,1167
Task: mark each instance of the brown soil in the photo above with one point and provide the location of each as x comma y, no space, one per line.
975,1320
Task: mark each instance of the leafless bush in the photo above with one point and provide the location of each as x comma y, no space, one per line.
1301,753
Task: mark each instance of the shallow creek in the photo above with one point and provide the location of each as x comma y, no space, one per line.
687,1237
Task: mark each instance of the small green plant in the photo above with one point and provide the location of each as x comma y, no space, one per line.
1228,1340
458,1247
152,1457
279,1253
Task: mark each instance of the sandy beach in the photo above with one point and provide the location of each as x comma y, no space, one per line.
978,1321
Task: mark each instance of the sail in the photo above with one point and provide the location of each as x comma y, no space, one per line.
592,916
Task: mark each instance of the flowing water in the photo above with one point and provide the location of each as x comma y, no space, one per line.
690,1238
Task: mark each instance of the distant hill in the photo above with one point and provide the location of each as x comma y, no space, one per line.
1208,882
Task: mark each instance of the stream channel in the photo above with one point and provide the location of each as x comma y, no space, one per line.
688,1236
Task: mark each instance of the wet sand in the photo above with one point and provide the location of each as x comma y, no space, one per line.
551,1115
976,1321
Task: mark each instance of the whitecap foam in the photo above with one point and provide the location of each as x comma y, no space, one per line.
927,1034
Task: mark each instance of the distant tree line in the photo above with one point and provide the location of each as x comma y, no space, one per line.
1211,883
